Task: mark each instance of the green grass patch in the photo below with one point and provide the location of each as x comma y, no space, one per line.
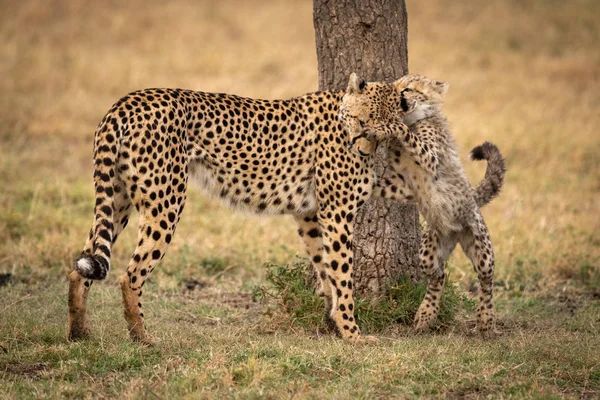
285,290
589,275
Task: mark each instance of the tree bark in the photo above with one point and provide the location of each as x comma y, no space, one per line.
369,37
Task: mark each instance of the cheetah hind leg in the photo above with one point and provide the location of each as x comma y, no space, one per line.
79,287
154,236
78,325
433,253
481,254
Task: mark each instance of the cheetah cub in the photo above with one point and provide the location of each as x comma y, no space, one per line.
424,167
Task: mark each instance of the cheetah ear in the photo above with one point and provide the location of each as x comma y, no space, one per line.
355,86
441,87
398,85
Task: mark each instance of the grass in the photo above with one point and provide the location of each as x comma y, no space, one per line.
285,289
523,74
217,344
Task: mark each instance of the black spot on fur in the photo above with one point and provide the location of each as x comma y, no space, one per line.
314,232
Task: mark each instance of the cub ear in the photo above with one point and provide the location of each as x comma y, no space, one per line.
355,86
441,87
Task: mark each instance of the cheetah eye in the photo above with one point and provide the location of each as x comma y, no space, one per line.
407,90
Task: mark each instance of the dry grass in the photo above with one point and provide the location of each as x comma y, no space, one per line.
215,345
523,74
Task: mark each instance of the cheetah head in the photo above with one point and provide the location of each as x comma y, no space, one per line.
369,103
410,98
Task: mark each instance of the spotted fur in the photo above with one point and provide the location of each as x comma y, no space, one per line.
269,157
424,167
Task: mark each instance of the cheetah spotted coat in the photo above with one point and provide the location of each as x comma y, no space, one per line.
270,157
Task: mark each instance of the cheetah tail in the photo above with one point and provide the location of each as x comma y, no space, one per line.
490,185
95,263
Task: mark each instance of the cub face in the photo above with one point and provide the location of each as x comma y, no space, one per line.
424,96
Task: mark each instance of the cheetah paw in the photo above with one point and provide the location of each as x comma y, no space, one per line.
146,340
75,334
423,322
486,326
363,340
487,332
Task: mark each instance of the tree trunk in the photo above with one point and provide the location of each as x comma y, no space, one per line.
369,37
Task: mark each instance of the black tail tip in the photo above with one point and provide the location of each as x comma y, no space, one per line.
478,153
92,267
484,151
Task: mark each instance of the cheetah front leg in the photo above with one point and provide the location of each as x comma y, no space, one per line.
310,233
417,141
338,259
422,147
391,186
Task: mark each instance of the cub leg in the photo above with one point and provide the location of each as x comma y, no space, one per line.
418,141
393,187
432,255
478,248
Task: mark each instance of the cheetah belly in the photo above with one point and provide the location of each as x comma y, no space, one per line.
255,192
435,199
440,209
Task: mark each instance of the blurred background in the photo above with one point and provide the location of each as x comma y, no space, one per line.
524,74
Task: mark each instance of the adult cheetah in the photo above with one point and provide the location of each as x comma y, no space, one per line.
270,157
425,168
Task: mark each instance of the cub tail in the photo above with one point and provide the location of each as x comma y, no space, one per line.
490,185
